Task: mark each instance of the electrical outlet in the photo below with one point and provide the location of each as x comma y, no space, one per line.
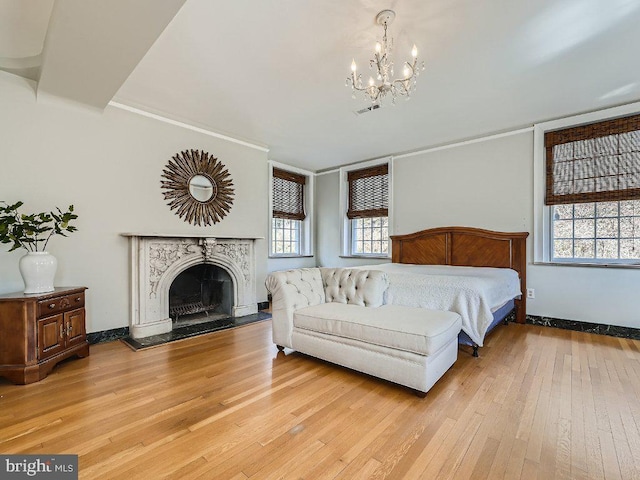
531,293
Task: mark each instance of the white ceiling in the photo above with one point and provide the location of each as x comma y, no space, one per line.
273,72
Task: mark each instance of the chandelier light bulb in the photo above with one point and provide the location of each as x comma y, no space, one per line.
353,65
414,51
406,71
378,47
371,82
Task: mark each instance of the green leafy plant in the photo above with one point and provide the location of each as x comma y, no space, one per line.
33,232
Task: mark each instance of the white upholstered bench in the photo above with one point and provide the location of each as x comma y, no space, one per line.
338,315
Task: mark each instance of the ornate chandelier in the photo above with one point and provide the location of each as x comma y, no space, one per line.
385,84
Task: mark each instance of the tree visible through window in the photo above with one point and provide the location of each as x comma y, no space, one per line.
599,230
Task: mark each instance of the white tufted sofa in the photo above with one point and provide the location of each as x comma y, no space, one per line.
337,314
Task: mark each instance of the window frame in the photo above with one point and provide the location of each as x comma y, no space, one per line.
543,221
346,232
306,225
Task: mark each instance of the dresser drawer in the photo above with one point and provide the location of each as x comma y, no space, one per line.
59,304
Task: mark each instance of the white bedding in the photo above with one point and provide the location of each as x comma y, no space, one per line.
472,292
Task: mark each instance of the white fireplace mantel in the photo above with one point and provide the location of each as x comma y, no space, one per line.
187,235
156,259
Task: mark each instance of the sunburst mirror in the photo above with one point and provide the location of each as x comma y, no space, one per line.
198,187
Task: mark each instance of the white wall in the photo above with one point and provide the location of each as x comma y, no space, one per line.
485,185
285,263
328,218
328,224
488,184
109,165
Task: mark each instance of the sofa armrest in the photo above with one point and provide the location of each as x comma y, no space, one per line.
290,290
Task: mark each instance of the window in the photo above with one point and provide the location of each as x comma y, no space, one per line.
370,236
599,231
290,225
592,191
285,237
368,211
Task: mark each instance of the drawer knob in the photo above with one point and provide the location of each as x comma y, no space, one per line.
52,305
78,299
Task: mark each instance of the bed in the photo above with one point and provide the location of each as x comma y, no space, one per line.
432,269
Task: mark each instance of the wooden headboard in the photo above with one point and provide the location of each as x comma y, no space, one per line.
466,246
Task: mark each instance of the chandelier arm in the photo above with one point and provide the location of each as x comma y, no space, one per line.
354,84
404,83
361,89
412,74
373,92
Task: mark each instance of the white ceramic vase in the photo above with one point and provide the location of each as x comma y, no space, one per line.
38,270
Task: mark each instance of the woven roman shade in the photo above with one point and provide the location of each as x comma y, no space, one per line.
598,162
288,195
369,192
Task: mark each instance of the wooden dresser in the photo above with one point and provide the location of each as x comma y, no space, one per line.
39,330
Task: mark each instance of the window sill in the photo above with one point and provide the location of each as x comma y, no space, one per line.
366,257
589,265
291,256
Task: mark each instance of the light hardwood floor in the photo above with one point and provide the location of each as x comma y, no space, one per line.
538,403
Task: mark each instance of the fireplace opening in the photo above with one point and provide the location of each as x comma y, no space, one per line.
201,293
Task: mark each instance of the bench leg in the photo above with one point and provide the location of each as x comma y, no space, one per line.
475,351
280,348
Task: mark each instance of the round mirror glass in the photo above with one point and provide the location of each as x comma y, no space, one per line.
201,188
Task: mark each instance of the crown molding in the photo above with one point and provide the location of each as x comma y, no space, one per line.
193,128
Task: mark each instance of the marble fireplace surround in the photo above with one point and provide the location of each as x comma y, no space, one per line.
157,259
